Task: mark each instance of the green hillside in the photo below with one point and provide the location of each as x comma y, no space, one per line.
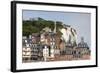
35,26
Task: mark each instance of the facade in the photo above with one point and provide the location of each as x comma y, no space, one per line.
26,49
83,49
35,38
36,52
32,50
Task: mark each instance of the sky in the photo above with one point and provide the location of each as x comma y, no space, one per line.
79,21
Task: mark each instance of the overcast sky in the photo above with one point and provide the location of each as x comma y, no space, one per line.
79,21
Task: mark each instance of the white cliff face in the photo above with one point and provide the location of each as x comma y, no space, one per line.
65,35
74,37
69,34
42,38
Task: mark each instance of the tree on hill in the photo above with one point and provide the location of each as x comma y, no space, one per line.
35,26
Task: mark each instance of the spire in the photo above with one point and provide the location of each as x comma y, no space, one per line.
55,27
82,40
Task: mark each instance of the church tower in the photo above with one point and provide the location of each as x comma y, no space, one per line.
55,27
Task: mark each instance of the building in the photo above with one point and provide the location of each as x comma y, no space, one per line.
26,49
32,50
81,50
35,38
37,52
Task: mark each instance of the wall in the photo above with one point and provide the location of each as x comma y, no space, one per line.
5,36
